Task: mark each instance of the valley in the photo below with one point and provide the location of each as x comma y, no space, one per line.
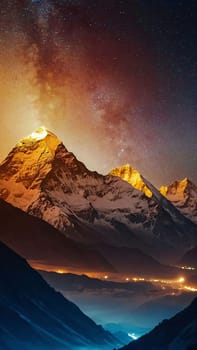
113,245
131,304
98,175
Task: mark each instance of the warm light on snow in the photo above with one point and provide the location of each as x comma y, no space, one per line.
133,177
183,195
39,134
176,189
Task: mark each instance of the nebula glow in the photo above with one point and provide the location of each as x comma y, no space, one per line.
107,77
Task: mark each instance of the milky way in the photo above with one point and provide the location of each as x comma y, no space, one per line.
116,80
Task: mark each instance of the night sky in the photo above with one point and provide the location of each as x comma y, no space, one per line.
115,80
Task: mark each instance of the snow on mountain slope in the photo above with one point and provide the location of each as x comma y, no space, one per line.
42,177
33,316
36,240
183,195
26,166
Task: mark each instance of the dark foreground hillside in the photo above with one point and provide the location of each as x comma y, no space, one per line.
177,333
33,316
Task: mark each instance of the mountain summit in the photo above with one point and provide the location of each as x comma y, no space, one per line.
183,194
25,167
177,188
38,134
133,177
41,177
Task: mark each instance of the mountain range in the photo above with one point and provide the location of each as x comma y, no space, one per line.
182,194
38,241
177,333
45,246
56,212
40,176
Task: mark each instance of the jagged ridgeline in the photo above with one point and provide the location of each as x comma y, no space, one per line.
40,176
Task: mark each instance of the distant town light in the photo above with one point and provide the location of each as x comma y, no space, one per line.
132,335
181,280
191,289
187,268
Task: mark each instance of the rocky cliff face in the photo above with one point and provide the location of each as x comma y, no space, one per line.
43,178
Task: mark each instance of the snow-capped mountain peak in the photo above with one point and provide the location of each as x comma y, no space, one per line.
25,167
133,177
40,137
183,194
177,189
44,179
38,134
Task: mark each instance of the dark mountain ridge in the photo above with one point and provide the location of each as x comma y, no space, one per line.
177,333
35,239
34,316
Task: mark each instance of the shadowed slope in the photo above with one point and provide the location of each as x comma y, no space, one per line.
34,316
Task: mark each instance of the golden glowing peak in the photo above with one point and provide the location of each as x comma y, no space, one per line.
176,188
184,182
41,141
39,134
133,177
164,190
181,185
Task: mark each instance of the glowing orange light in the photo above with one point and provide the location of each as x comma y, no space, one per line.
39,134
133,177
181,280
191,289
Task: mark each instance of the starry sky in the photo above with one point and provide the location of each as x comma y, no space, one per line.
114,79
